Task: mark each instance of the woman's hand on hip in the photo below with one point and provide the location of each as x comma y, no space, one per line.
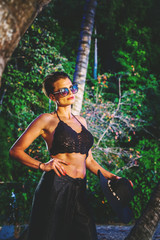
56,165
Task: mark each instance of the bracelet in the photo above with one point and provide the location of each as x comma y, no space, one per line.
39,166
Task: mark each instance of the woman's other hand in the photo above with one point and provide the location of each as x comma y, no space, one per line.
130,182
113,176
54,164
116,177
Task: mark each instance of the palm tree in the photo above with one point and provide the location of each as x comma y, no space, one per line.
147,223
16,17
83,53
95,55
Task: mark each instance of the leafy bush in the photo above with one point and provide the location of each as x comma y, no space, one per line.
117,126
146,175
23,101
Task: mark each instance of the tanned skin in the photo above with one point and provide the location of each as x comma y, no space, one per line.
72,164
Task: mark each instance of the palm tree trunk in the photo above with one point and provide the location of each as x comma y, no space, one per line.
95,56
83,53
15,17
147,223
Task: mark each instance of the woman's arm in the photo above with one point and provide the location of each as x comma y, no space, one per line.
34,130
93,166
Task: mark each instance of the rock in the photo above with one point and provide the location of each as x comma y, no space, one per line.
112,232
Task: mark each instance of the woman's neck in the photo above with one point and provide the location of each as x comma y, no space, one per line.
64,112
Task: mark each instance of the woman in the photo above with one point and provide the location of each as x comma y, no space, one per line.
60,209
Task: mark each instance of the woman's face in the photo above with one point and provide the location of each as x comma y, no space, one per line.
63,100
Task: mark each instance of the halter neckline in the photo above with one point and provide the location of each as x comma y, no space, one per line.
70,126
72,115
67,140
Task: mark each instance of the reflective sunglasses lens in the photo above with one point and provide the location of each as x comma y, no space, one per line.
64,92
74,88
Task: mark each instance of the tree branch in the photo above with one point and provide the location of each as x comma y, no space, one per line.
16,17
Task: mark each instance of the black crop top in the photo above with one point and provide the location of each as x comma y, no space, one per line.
67,140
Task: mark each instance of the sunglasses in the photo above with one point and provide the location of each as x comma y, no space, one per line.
65,91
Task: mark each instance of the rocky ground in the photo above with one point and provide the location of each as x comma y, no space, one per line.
105,232
110,232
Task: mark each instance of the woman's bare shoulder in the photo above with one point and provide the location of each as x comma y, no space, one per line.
45,118
82,120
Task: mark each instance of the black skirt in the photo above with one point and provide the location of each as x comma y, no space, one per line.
60,210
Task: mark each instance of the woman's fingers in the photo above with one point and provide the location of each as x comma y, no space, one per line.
60,160
117,177
56,165
59,168
128,180
131,183
57,172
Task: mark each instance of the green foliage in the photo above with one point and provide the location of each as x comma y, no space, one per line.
5,165
124,113
115,16
16,197
146,175
35,57
133,55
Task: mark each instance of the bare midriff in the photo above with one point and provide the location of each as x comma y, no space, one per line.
76,167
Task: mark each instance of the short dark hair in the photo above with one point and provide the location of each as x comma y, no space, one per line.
50,79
